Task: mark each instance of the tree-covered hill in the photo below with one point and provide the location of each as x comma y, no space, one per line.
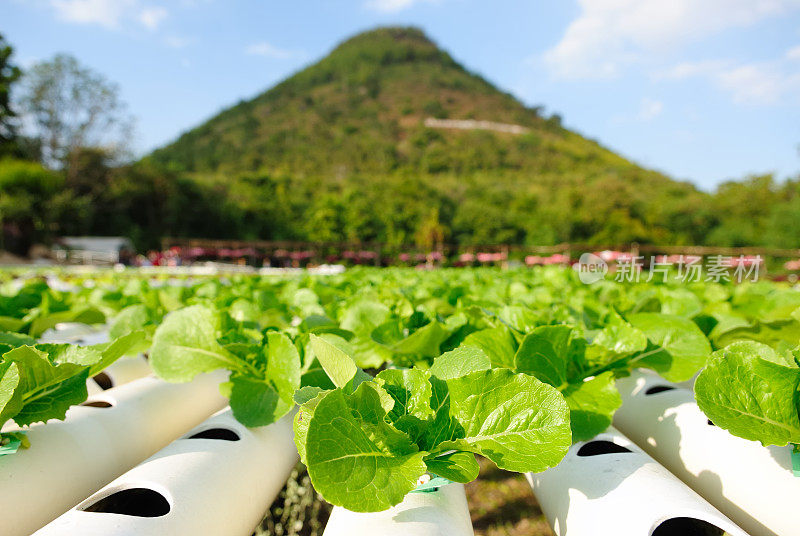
344,144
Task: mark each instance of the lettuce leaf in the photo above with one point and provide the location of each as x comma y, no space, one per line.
746,390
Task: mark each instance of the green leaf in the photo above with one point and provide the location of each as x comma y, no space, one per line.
283,365
8,323
68,353
620,339
243,311
131,318
120,347
680,302
304,394
444,426
309,397
9,380
520,318
592,405
339,366
677,350
410,390
37,371
750,396
779,306
424,342
364,316
769,333
338,363
457,466
367,353
259,399
515,420
54,402
256,402
498,343
315,376
355,458
45,389
544,354
16,339
185,345
460,362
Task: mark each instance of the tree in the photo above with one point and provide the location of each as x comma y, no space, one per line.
430,233
9,73
73,108
27,191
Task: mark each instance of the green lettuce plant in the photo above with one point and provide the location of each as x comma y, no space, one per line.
39,382
368,441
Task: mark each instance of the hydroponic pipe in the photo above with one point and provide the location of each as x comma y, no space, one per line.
75,333
219,479
122,371
610,486
97,442
751,484
443,512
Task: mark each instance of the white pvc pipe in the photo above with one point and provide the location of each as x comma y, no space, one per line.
126,369
439,513
210,487
93,388
751,484
624,493
75,333
69,460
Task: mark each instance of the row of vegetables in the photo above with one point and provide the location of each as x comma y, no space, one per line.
399,374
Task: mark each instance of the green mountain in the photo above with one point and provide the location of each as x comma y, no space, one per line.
388,138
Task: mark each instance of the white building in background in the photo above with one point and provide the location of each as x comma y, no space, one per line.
92,249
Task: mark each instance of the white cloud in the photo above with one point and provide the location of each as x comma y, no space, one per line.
109,13
649,109
609,34
689,69
755,83
175,41
759,83
793,53
270,51
106,13
393,6
152,17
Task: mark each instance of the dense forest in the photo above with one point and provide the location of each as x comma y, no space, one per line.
341,152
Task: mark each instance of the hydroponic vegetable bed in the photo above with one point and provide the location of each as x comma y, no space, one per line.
386,384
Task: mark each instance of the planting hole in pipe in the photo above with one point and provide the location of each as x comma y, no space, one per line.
658,389
687,526
596,448
222,434
97,404
711,423
136,502
104,381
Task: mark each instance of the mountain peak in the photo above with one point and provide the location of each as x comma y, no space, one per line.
397,35
362,108
362,57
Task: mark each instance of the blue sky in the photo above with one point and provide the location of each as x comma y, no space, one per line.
704,90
